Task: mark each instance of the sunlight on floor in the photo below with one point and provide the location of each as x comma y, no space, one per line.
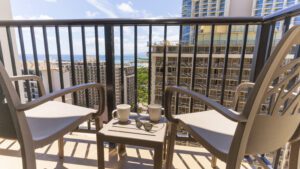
81,152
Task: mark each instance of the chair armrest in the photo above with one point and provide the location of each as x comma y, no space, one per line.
56,94
209,102
31,77
238,90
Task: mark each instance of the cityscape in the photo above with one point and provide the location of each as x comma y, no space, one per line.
190,8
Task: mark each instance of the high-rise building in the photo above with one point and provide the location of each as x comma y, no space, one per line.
54,71
201,74
79,79
211,8
266,7
186,13
92,77
204,8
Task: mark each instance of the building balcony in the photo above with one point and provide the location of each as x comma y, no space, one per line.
70,69
81,152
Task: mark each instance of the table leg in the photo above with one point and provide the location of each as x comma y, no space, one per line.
158,156
121,149
171,144
100,150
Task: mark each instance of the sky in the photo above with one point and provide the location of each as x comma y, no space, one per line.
93,9
81,9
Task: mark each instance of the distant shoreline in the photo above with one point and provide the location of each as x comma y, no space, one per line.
54,58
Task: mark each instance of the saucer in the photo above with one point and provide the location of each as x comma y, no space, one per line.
124,123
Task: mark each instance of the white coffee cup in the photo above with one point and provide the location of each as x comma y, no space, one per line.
122,112
154,111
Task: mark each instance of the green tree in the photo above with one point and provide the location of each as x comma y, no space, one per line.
142,80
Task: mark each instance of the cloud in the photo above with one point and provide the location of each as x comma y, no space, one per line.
40,17
126,7
51,0
173,15
103,6
90,14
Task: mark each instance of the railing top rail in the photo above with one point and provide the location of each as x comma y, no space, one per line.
149,21
281,14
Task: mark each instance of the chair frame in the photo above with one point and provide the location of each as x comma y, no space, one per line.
241,145
16,109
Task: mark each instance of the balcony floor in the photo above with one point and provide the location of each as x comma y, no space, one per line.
81,152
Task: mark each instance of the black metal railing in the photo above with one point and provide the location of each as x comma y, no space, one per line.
264,41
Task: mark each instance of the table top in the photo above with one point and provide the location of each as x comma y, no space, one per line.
129,134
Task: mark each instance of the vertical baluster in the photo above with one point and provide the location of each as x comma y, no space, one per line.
150,64
122,63
2,61
164,63
135,69
211,50
110,69
270,40
1,54
243,53
194,66
286,25
178,68
297,54
47,59
259,54
35,57
97,55
74,95
243,56
85,69
225,64
61,75
12,57
24,61
34,50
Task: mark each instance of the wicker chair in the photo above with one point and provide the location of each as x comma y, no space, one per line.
230,135
41,121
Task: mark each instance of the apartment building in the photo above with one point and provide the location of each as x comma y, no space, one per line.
201,74
54,71
212,8
79,79
265,7
128,85
204,8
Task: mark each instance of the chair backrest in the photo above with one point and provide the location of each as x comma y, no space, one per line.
269,130
13,124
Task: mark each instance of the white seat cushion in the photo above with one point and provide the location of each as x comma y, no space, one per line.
213,130
54,119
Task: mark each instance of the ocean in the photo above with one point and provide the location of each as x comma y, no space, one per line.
53,58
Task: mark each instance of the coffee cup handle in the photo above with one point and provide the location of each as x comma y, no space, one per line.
115,113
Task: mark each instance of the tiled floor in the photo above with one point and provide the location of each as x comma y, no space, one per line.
81,153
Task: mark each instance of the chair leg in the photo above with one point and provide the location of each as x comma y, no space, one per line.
171,144
234,162
98,123
28,157
294,161
61,148
214,162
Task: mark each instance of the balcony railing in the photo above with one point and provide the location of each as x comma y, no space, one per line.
105,28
